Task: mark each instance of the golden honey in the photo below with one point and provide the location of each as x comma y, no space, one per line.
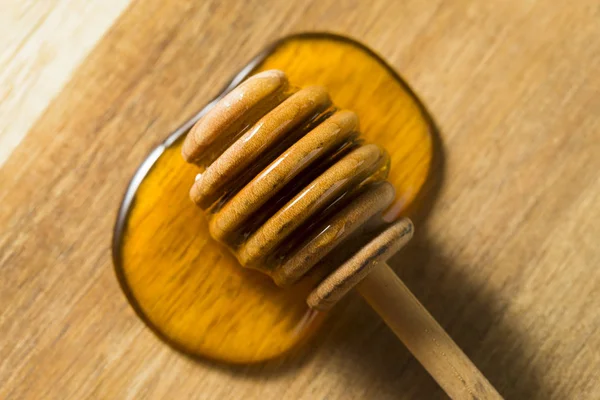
187,287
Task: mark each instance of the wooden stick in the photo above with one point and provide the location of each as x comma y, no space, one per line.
423,336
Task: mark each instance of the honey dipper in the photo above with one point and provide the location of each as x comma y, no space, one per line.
288,184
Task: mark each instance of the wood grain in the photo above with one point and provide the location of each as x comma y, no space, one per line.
41,43
507,263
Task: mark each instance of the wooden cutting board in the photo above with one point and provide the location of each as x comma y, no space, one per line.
507,262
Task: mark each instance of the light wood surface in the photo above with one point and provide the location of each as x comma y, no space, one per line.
507,262
41,43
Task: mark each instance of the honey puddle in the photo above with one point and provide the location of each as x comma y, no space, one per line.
188,288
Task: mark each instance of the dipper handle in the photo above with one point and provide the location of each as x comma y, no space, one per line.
423,336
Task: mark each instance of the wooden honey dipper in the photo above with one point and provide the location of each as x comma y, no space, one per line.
286,180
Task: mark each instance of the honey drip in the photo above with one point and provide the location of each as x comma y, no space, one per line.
187,287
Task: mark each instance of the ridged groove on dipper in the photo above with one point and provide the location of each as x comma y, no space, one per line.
345,277
341,177
333,232
304,154
241,107
252,145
